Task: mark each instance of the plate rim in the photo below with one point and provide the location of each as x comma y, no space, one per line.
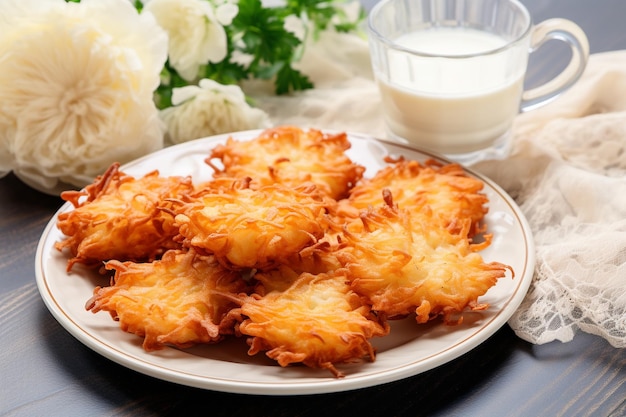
293,387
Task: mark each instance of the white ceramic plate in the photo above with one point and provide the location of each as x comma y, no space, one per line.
409,350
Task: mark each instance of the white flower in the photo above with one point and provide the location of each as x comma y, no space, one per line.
296,26
347,13
226,11
210,109
76,87
241,58
196,32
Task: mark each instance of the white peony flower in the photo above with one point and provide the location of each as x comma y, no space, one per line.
210,109
76,87
196,32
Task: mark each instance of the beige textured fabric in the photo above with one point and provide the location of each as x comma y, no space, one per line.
567,172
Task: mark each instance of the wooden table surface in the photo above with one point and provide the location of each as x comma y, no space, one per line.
44,371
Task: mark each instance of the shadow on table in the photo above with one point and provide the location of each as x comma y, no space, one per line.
123,392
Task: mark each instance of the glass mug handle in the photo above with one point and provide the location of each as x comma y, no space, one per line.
566,31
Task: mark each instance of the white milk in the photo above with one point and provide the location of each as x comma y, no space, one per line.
455,104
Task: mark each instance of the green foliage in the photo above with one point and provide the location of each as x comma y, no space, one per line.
321,13
262,35
259,32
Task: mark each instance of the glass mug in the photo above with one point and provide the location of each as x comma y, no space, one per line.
451,72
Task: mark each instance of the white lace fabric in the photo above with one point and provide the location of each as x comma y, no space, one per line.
567,172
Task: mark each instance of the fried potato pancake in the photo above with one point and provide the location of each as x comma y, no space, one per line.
252,228
445,192
173,301
316,320
403,265
120,217
291,156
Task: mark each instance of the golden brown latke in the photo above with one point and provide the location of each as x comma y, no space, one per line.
404,265
252,228
316,320
290,156
173,301
120,217
444,192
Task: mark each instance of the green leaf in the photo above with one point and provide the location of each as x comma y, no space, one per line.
320,12
262,34
289,79
225,72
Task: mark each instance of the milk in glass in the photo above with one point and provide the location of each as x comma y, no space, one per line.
452,102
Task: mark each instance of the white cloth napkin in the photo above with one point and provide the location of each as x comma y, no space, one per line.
567,172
